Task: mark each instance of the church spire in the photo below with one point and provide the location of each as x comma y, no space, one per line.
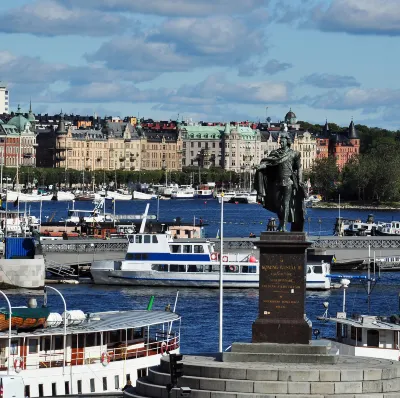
61,125
352,134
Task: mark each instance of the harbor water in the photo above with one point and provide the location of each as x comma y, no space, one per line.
200,307
240,219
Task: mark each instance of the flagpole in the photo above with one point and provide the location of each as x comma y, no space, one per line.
221,275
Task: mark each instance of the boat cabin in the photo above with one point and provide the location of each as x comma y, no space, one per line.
367,336
90,353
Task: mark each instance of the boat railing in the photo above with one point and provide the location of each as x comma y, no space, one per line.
161,344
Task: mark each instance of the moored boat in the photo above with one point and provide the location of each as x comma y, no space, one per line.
89,353
388,229
23,318
143,196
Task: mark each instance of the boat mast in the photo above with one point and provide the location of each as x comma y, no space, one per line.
221,276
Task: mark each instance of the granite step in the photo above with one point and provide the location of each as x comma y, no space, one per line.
279,358
271,348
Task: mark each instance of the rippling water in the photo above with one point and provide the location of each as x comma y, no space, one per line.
200,307
240,219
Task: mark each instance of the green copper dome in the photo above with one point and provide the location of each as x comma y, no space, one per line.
19,121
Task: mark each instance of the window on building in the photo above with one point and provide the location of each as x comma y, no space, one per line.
199,145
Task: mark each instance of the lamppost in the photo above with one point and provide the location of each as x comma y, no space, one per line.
9,331
65,320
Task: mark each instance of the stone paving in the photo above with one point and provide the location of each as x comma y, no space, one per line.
208,377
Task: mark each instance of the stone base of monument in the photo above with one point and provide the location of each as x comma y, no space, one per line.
281,353
208,377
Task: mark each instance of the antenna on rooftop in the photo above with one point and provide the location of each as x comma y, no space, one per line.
266,112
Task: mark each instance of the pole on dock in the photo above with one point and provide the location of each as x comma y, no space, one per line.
221,276
369,278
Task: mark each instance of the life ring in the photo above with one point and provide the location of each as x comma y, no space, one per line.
18,362
213,256
225,259
105,358
163,348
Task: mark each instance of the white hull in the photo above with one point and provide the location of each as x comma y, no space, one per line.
118,196
142,196
27,197
182,196
187,279
65,196
115,374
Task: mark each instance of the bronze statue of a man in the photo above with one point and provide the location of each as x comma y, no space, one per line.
279,184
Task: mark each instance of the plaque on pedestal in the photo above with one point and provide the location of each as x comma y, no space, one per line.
282,289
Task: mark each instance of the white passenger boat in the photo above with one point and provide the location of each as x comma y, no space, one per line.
91,353
367,335
119,195
184,192
388,229
143,196
159,260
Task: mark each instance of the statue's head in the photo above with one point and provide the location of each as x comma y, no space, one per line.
285,139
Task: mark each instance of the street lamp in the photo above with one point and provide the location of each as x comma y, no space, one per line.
9,331
65,320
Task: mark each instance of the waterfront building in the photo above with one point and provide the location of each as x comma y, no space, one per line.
202,145
4,99
161,149
269,141
323,142
18,140
344,146
305,143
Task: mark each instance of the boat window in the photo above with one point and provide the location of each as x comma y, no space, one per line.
309,270
155,240
175,248
195,268
145,256
33,346
138,238
114,336
45,344
198,249
147,239
138,334
116,382
58,342
128,377
27,391
129,256
79,385
141,373
66,388
356,333
14,347
131,239
373,338
104,383
77,341
90,340
318,269
53,389
41,390
187,249
159,267
137,256
177,268
92,386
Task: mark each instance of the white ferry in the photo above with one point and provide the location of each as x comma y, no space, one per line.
184,192
388,229
160,260
367,336
89,354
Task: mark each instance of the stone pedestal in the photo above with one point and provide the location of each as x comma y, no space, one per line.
282,289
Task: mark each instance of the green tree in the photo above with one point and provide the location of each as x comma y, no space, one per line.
324,176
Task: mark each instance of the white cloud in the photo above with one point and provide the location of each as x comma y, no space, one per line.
173,8
326,80
50,18
379,17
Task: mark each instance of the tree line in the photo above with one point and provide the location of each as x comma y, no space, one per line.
372,176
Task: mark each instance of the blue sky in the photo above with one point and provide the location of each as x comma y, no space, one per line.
205,59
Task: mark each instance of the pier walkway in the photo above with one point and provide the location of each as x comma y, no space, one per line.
78,251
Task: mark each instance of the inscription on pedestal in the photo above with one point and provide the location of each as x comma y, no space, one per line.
282,282
282,289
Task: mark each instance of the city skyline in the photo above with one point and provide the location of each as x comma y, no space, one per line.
220,60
